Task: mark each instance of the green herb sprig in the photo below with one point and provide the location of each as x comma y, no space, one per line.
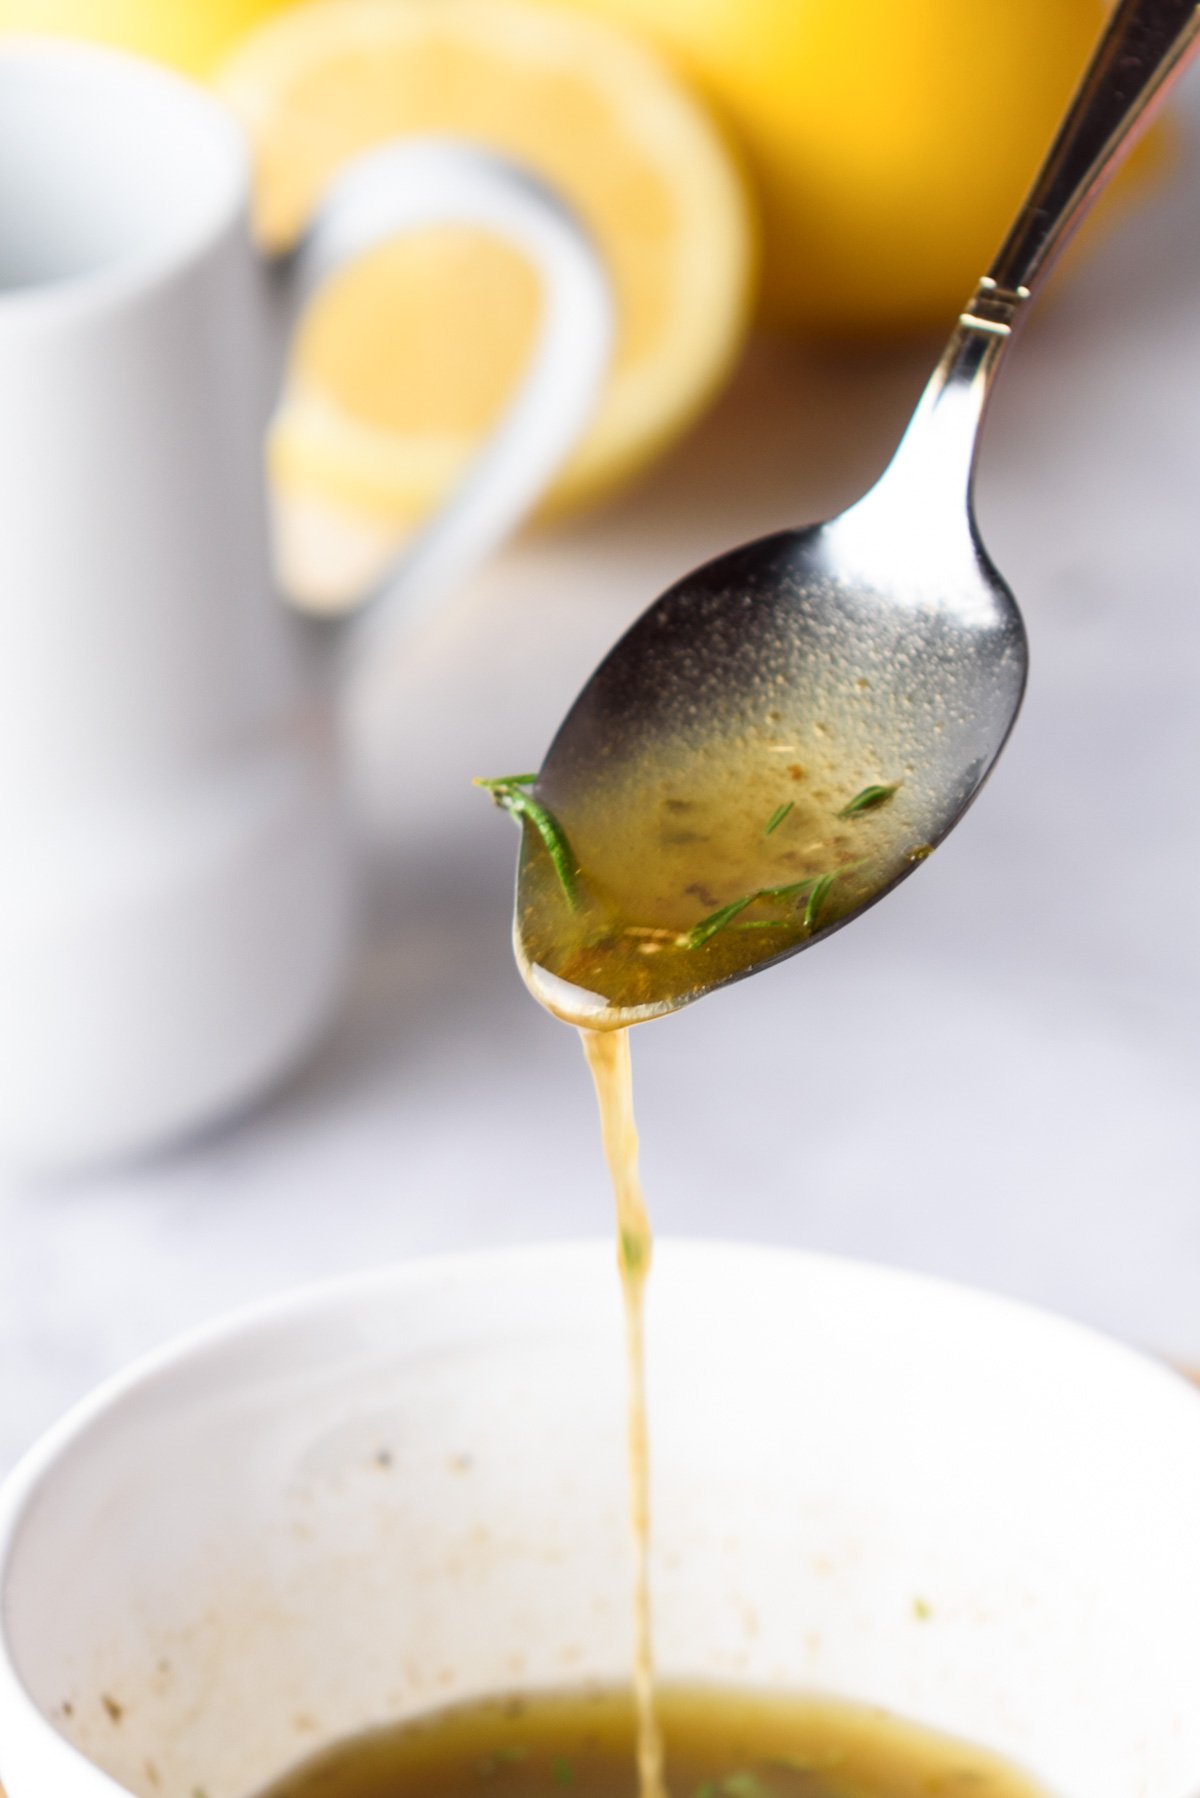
508,791
632,1252
707,928
869,800
816,887
816,899
778,815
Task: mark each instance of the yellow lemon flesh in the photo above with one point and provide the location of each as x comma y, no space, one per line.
891,141
189,35
407,358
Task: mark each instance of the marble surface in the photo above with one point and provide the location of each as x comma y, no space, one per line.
993,1076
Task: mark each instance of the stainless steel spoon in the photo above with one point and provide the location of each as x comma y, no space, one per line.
877,653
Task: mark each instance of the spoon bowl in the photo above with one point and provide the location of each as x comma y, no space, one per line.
793,727
800,669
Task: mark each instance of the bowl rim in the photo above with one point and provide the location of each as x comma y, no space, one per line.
292,1305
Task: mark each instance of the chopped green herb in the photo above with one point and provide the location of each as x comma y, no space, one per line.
698,935
869,800
778,816
815,885
633,1251
816,899
791,891
564,1772
510,795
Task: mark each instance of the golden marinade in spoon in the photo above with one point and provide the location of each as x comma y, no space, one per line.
633,903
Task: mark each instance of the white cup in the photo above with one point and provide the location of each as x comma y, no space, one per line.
403,1490
176,891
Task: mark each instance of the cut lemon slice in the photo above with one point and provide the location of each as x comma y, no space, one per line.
406,359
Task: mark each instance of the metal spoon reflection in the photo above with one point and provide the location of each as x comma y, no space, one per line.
707,777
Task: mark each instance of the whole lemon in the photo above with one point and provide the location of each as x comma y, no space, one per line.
189,35
891,141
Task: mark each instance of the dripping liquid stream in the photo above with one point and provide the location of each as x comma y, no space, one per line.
608,1057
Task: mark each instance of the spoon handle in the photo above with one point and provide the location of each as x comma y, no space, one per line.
1145,44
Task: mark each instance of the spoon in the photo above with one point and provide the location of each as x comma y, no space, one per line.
794,726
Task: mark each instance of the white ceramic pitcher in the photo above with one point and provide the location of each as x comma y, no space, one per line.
175,896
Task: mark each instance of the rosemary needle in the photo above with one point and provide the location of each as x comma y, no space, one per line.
816,899
778,816
509,794
700,933
869,800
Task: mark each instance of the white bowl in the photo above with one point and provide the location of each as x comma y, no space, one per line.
401,1490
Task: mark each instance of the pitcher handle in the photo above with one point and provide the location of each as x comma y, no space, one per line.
409,186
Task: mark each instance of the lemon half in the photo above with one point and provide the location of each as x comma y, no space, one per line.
407,358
